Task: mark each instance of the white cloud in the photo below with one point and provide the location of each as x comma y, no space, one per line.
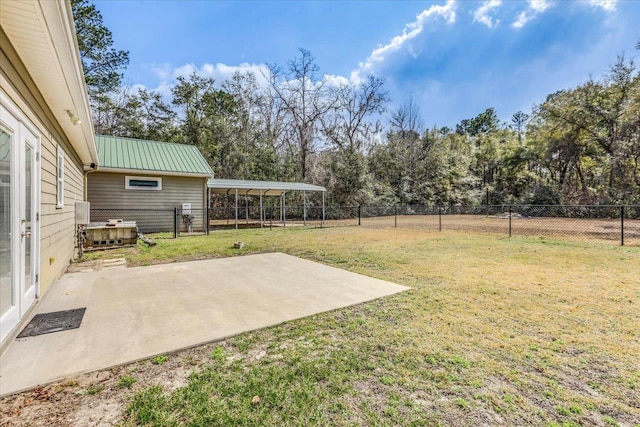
410,31
481,14
606,5
185,70
521,20
335,80
168,74
539,5
534,8
222,71
219,72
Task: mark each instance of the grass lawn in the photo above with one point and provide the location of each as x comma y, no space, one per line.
495,331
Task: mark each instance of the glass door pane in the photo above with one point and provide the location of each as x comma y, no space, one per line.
28,215
7,294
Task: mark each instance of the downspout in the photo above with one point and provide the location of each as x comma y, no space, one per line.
93,168
85,183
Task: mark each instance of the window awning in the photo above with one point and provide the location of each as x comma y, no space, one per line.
256,188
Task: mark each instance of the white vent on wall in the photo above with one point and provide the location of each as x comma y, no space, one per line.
82,213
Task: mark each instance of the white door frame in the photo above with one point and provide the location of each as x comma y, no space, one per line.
23,135
28,292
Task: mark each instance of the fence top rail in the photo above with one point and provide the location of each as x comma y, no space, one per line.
433,206
135,210
493,206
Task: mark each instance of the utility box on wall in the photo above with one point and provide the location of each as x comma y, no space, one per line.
82,213
186,209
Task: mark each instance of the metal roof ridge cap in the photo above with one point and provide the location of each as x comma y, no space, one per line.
152,141
114,169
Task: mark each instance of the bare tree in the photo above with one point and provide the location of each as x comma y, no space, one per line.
135,114
404,142
272,115
406,119
305,99
349,125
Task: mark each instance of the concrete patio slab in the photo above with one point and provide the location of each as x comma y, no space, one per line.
136,313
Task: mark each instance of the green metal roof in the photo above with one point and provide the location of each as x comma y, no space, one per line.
255,188
151,156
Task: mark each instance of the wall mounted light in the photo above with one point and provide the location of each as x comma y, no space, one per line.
74,119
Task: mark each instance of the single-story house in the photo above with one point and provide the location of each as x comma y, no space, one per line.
46,144
144,181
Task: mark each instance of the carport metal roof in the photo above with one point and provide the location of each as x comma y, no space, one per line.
239,187
257,188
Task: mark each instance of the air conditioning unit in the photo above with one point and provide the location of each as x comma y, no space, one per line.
186,209
82,213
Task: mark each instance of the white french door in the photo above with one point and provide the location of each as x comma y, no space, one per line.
19,228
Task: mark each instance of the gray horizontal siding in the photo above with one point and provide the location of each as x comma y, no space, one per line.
57,226
151,209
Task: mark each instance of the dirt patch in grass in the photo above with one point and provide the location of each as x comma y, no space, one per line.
495,331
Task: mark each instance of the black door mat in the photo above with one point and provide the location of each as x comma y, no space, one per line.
47,323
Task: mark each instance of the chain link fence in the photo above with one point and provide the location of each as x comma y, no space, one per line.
174,221
147,220
615,224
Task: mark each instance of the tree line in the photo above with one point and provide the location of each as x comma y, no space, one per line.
292,123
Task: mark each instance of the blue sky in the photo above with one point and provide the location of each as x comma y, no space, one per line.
454,58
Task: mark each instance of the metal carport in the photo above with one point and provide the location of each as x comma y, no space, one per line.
240,187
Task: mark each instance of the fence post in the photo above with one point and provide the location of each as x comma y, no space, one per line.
622,225
175,223
510,214
359,214
440,218
395,216
270,217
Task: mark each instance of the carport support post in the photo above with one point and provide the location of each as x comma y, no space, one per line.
622,225
304,208
322,208
206,216
236,208
261,213
284,209
175,223
510,212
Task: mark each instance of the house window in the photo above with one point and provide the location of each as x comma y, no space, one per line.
142,183
60,176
